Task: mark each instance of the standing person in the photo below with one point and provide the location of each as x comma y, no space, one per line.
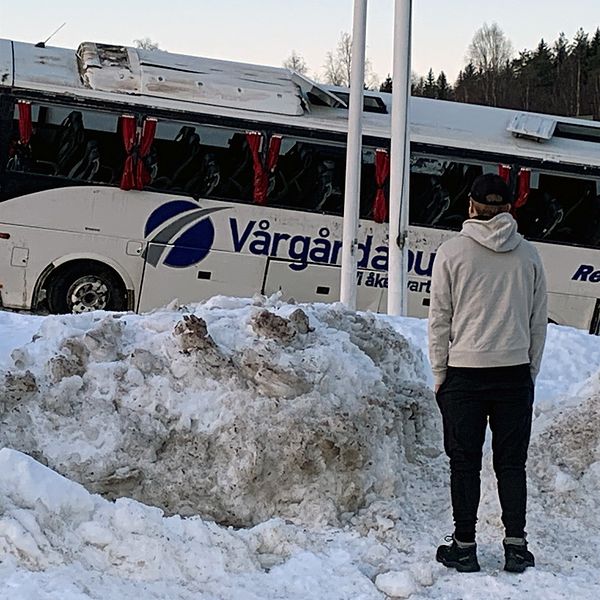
487,329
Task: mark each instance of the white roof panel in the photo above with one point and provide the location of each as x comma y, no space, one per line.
6,62
45,68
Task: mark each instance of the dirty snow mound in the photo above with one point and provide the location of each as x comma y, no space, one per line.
234,410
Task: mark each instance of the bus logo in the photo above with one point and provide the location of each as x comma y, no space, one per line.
181,231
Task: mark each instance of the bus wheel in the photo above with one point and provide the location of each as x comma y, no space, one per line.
84,287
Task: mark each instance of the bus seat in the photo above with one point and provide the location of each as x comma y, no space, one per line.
207,179
87,167
70,142
190,164
237,170
169,165
430,201
328,195
549,214
151,163
592,236
294,181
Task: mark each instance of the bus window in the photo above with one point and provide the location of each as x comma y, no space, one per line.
202,161
439,189
309,176
562,208
75,144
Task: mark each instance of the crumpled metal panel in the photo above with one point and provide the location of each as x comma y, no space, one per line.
108,68
187,78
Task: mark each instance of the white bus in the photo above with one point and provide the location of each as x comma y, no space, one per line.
129,178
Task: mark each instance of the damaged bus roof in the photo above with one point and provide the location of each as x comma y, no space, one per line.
157,74
274,95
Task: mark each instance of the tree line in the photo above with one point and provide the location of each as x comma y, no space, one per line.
561,77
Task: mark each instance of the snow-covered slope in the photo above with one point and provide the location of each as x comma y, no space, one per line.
249,449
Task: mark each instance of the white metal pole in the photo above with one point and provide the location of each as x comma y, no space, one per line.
399,160
353,157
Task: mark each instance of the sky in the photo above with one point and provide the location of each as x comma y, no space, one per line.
266,31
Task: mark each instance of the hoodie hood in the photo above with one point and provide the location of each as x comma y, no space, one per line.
498,234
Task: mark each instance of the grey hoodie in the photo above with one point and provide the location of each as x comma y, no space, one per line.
488,299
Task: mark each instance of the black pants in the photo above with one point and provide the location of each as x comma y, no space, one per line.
468,399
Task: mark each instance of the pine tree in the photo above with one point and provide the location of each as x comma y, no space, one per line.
417,87
542,77
579,54
430,87
386,86
560,59
594,74
444,91
468,88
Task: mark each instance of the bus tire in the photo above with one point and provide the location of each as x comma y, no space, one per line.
84,286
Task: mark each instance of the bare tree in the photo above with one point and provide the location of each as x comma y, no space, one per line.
295,62
490,51
338,65
146,44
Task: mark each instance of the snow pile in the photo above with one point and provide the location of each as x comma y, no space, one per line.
58,541
240,410
233,410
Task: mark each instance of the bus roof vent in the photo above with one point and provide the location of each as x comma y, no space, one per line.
533,127
578,131
316,94
109,68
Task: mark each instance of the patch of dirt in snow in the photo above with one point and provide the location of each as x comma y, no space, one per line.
570,445
236,414
565,462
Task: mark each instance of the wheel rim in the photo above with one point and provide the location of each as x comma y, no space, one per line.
87,294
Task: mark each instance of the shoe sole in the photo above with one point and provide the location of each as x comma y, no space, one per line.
451,564
518,568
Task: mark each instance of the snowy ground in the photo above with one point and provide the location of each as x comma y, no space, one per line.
246,450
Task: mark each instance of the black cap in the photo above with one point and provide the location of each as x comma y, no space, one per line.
487,185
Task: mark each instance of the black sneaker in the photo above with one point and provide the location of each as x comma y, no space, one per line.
517,557
461,559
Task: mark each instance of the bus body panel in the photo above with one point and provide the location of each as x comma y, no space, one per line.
90,210
252,250
567,309
48,249
321,283
221,273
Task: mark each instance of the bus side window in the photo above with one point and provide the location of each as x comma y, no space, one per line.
73,144
439,189
174,162
309,176
561,208
202,161
237,169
